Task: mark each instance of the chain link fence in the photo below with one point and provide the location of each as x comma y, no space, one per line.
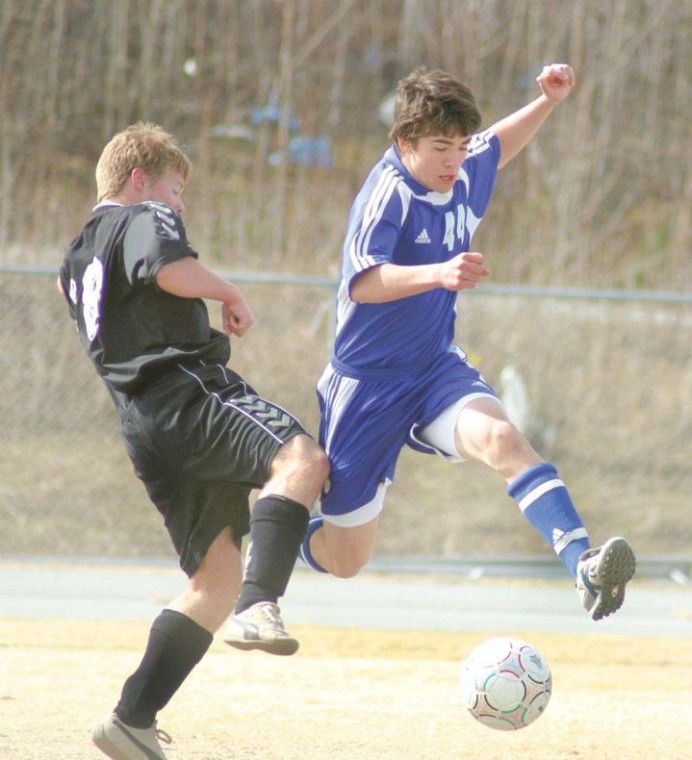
600,382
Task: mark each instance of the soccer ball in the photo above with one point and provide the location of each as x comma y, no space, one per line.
505,683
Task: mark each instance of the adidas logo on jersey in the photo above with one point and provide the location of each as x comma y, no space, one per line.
423,236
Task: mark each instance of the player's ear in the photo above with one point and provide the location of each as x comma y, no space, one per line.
138,177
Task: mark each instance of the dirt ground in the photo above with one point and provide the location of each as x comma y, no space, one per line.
346,695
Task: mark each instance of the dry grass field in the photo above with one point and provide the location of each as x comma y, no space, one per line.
346,695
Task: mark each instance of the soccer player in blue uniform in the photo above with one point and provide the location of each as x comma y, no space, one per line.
396,377
199,437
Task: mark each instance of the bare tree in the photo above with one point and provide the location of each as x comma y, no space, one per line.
602,197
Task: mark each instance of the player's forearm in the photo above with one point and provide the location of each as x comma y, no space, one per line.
389,282
187,278
516,130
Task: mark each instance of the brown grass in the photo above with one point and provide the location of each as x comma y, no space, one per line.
347,695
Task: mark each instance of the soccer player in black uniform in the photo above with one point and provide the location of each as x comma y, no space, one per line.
199,437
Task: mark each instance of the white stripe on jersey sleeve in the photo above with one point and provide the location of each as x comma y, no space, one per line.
374,209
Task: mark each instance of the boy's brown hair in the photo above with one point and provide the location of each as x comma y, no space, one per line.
142,145
433,103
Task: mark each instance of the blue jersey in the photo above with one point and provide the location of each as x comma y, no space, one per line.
395,220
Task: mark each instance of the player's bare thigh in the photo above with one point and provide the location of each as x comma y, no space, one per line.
485,433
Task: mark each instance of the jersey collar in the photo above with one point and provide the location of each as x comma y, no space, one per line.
106,204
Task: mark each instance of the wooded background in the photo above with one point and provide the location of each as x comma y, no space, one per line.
280,104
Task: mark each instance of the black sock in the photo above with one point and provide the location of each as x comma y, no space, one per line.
176,644
277,527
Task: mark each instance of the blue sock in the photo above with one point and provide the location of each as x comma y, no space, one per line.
315,523
546,504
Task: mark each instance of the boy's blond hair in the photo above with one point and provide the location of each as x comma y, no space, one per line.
142,145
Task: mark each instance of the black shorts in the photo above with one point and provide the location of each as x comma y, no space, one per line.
201,439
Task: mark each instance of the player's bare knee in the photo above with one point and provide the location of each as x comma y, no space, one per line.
318,464
504,440
303,455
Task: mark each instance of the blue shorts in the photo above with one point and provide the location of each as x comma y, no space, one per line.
366,421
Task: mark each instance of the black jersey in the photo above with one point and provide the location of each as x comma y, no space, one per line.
133,330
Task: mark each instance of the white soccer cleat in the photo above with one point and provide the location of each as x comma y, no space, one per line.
260,627
119,741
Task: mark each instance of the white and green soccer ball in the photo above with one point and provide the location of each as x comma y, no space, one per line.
505,683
